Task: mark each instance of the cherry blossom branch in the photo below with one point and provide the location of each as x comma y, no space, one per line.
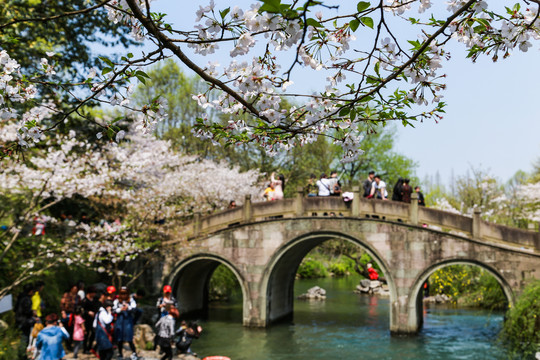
167,43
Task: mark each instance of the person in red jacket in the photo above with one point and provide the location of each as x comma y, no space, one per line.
373,274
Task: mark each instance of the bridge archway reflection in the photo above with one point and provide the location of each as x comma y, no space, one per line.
190,282
278,279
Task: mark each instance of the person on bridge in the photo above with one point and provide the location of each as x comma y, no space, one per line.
268,194
279,186
421,201
406,191
324,185
368,183
311,188
335,185
398,190
378,189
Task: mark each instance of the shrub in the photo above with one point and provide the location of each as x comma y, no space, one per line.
338,268
310,269
9,344
342,267
521,330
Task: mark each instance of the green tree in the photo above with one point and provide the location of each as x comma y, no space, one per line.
29,28
521,330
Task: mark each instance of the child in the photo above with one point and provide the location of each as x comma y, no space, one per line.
187,333
269,193
165,331
31,349
78,330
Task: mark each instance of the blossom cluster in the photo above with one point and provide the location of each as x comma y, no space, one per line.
14,90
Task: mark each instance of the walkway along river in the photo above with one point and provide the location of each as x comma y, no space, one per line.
350,326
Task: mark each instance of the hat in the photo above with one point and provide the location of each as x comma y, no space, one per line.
167,289
111,289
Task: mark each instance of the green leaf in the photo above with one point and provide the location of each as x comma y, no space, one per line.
271,6
313,22
366,20
353,114
366,98
483,22
107,61
141,79
362,5
377,68
344,111
224,13
141,73
106,71
372,80
110,133
354,24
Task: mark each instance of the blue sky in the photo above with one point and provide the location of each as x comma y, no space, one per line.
491,119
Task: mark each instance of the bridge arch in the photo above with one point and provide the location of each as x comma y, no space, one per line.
415,305
277,283
190,279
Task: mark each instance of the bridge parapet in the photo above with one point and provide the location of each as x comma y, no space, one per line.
473,228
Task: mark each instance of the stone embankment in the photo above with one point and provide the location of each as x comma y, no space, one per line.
438,299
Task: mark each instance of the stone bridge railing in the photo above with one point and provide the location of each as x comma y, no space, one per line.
359,207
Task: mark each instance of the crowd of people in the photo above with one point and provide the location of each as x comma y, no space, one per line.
375,187
98,322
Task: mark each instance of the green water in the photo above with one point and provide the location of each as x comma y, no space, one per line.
350,326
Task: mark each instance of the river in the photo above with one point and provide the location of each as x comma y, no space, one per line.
350,326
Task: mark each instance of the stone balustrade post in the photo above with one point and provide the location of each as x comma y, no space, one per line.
476,223
197,224
299,201
413,209
248,210
355,206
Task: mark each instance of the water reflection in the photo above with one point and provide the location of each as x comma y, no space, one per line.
350,326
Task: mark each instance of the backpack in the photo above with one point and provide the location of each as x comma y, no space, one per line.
184,342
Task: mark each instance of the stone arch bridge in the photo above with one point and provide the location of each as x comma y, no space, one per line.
264,243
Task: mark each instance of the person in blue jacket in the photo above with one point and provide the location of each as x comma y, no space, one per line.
49,340
124,308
